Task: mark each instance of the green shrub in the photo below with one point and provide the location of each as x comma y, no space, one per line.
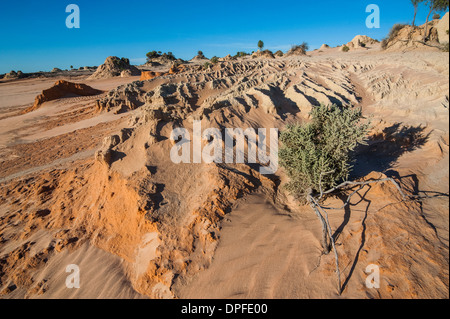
436,16
279,53
241,54
214,60
444,47
207,65
319,153
154,55
345,48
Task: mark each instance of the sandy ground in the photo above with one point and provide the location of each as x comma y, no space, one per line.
140,226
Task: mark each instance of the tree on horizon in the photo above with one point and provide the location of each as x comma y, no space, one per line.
260,45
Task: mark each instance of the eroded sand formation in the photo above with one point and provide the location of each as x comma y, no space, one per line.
62,89
114,67
191,230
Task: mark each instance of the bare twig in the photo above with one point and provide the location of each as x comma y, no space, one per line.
314,206
321,211
347,183
336,256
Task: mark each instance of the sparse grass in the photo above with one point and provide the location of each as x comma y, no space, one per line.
395,30
241,54
393,33
302,47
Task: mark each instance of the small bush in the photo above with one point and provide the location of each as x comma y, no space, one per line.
436,16
319,153
207,65
214,60
302,47
279,53
241,54
444,47
345,48
154,55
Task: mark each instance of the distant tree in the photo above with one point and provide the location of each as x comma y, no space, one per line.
415,3
435,6
260,44
71,67
153,55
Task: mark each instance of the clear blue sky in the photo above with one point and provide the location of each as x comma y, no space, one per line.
34,36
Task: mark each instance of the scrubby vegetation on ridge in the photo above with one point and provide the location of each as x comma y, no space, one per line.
392,35
154,55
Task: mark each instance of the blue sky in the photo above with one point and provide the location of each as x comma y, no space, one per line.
34,36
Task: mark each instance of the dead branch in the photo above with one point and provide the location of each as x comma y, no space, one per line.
327,233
